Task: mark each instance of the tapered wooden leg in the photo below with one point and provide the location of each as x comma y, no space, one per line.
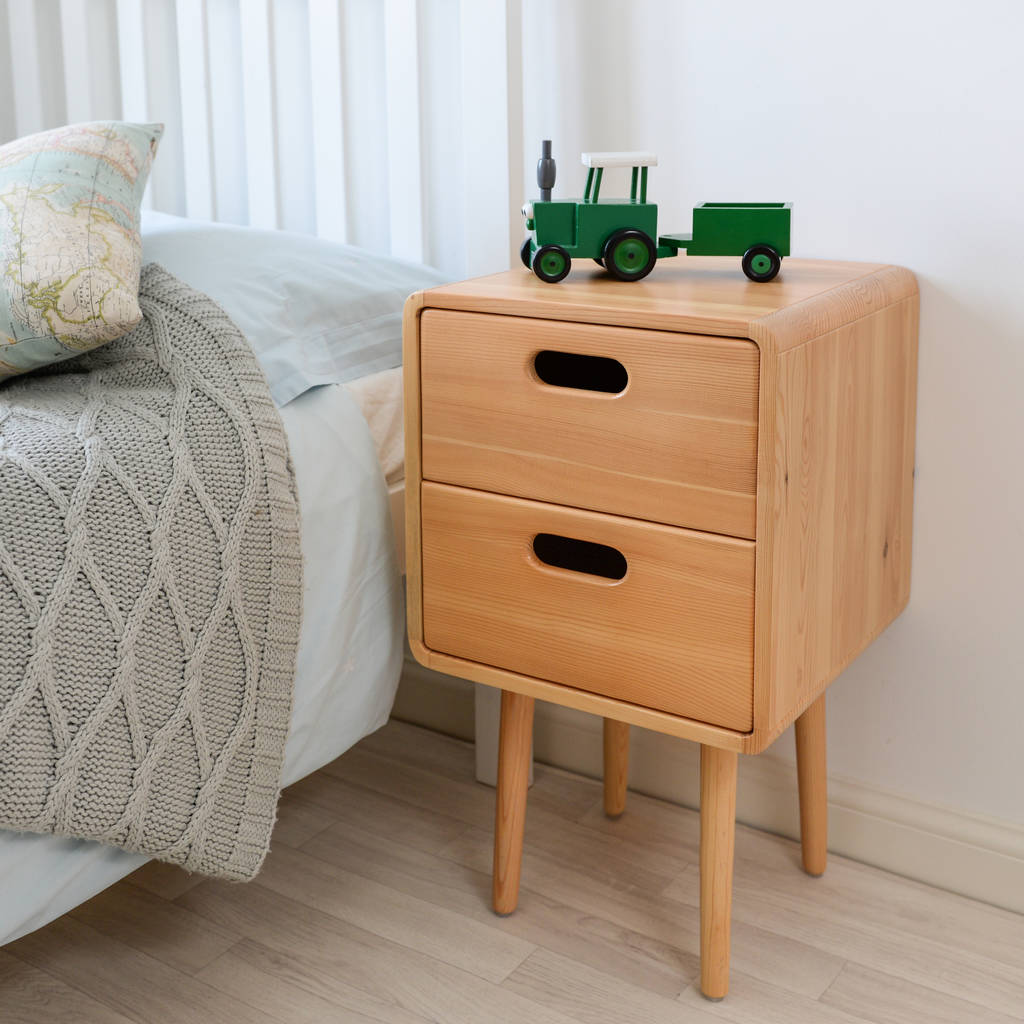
717,842
616,766
514,745
813,783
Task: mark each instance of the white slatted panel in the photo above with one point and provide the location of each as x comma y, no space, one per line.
193,80
325,44
405,179
260,127
483,28
324,116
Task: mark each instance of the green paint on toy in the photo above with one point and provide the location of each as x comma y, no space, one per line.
622,234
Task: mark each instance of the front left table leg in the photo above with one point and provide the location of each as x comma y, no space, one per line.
514,746
717,842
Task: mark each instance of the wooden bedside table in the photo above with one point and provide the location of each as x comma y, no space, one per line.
683,503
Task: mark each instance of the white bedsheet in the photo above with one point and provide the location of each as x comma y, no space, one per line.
349,659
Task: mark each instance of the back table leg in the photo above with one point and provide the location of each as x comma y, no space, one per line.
616,766
717,843
514,745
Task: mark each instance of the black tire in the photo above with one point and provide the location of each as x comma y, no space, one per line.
599,262
524,253
761,263
630,255
551,263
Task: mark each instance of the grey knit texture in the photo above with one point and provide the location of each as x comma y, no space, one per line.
150,592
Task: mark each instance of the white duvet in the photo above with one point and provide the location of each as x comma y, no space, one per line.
349,659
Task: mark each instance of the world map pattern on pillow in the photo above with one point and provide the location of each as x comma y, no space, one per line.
69,239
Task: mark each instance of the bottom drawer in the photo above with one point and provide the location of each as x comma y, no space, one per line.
646,613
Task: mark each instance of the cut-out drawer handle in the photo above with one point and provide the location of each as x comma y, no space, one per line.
586,373
580,556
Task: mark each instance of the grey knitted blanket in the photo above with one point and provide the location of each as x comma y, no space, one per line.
150,592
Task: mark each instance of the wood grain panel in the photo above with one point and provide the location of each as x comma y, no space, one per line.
702,294
676,633
678,445
837,506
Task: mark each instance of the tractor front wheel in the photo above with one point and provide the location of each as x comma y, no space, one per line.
761,263
629,255
524,253
551,263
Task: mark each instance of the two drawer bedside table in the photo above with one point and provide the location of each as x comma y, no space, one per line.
683,504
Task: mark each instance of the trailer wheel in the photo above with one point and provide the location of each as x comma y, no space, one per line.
761,263
524,253
551,263
629,255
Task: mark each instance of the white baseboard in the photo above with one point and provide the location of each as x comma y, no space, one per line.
981,858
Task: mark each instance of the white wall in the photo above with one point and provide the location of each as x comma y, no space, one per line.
897,130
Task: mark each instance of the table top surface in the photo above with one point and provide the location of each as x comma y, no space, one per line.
709,294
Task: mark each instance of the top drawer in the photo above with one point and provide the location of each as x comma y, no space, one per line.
648,424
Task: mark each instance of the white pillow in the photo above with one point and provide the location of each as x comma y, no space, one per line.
315,312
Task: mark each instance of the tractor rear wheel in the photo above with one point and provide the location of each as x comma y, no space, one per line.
524,253
761,263
629,255
551,263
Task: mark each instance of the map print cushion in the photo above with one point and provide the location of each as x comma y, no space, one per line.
69,239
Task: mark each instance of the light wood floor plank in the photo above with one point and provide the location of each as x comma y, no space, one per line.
332,949
752,1001
155,926
758,951
374,906
284,987
592,997
130,982
860,937
418,825
31,996
884,999
392,914
167,881
580,934
622,861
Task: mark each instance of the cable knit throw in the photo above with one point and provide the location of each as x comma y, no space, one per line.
150,592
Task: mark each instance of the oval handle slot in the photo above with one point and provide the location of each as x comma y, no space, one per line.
580,556
575,370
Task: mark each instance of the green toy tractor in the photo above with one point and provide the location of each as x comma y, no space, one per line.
619,234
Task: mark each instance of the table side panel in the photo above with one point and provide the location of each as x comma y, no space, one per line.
838,506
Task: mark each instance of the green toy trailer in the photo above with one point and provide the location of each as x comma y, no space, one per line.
619,234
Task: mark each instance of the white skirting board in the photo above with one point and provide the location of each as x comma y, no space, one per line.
977,857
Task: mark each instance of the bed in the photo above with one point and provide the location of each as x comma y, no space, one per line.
346,447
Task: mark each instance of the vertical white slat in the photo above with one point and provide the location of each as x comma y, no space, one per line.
260,132
227,128
74,30
405,180
485,133
8,122
34,28
325,71
131,56
193,83
131,49
294,124
514,52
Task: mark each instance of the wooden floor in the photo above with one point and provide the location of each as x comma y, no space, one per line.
373,906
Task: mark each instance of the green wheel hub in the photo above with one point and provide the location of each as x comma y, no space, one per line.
630,255
761,263
552,263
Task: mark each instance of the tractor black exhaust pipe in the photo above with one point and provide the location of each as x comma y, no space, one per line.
546,170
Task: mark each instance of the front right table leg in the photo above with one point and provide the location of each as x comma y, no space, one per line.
717,843
812,780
